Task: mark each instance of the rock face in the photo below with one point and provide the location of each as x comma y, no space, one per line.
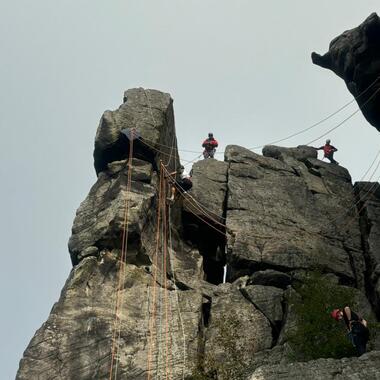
288,214
355,57
368,195
146,297
366,367
150,112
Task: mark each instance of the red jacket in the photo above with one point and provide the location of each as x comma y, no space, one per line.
328,149
210,144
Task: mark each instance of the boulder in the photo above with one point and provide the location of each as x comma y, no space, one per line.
235,331
268,300
207,196
271,277
76,340
99,221
276,220
150,113
354,56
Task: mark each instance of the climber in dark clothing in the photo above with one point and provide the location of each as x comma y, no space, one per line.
329,151
184,184
358,332
210,145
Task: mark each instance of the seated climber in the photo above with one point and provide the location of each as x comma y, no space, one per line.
184,184
358,332
210,145
329,151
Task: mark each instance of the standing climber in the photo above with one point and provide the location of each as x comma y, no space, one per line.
329,151
210,145
184,184
358,332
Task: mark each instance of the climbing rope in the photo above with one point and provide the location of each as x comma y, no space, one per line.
346,119
362,198
154,278
322,120
122,272
198,206
163,235
172,265
298,132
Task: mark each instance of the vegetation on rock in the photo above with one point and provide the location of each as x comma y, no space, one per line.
317,335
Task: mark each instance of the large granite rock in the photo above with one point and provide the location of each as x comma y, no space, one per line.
99,221
159,284
235,331
368,198
75,342
150,113
286,214
208,194
204,215
355,57
282,215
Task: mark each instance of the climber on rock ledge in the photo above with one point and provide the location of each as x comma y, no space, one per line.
210,145
358,332
184,184
329,151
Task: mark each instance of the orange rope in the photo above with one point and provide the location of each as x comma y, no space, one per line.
124,244
195,203
154,279
165,281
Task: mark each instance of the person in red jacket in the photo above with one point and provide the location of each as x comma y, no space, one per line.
329,151
357,328
210,145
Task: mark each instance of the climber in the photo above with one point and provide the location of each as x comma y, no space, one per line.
358,332
210,145
184,184
329,151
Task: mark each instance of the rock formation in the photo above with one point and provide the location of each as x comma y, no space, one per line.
163,311
355,57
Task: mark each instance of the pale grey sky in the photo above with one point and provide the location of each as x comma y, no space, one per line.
239,68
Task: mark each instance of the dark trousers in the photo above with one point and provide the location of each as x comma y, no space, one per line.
331,158
185,184
359,336
209,153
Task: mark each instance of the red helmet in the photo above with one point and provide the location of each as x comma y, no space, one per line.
335,314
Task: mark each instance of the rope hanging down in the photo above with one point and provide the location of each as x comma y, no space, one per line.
162,308
122,271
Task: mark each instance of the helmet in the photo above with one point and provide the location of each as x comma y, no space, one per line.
335,314
328,141
210,135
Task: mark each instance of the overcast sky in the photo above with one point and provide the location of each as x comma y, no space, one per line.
239,68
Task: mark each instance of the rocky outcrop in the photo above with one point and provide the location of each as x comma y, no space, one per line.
366,367
368,198
76,341
140,296
204,216
290,215
262,222
355,57
151,114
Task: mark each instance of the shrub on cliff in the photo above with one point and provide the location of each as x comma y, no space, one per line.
317,335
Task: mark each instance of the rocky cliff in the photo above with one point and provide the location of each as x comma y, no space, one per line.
355,57
146,298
